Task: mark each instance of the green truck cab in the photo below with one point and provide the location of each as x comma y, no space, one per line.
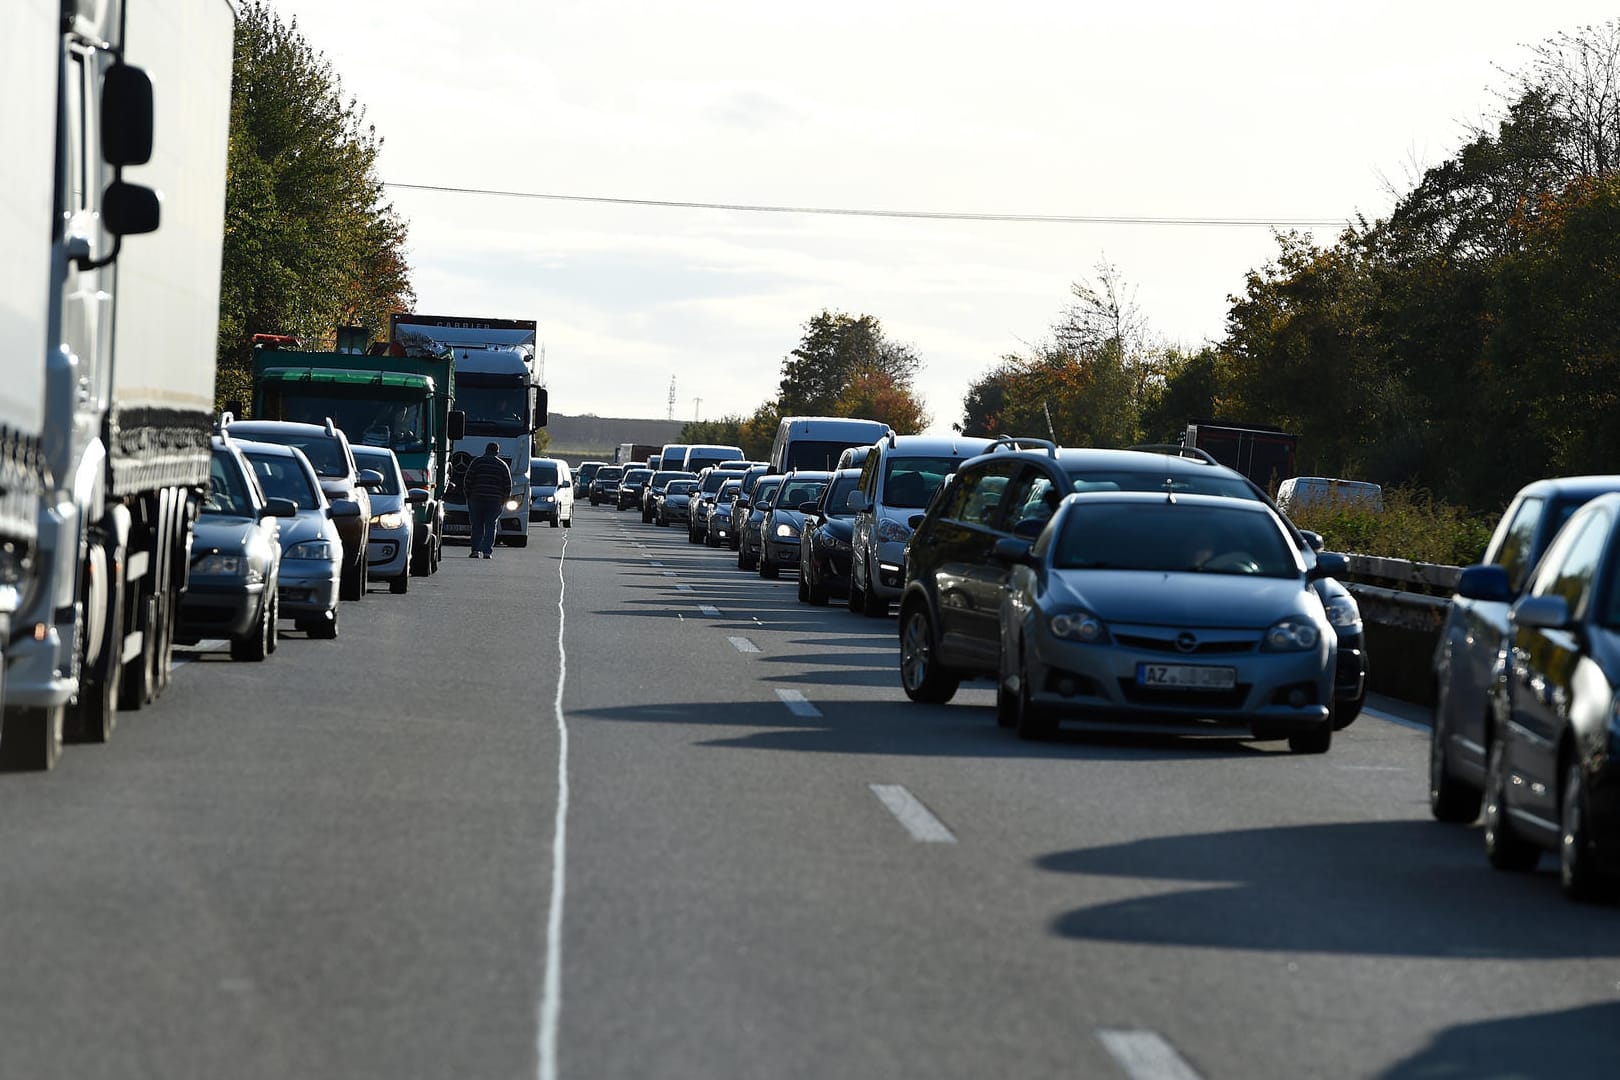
404,403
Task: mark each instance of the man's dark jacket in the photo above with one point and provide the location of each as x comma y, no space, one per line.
487,478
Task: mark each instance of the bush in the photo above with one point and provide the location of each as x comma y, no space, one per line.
1412,526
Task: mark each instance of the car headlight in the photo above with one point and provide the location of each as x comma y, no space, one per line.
787,530
893,530
511,504
1343,612
1291,635
391,520
310,549
1081,626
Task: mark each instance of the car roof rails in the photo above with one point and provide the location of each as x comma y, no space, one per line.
331,428
1022,442
226,419
1176,450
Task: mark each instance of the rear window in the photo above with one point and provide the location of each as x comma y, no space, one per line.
609,472
1211,483
543,473
1166,537
324,453
384,465
910,482
280,477
813,455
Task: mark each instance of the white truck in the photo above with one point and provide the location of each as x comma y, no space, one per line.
116,115
503,403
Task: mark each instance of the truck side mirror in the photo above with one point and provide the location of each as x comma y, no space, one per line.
541,401
130,209
457,425
126,117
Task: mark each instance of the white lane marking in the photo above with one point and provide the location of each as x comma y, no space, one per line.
1145,1055
654,562
670,573
551,984
742,644
709,610
796,703
919,821
683,588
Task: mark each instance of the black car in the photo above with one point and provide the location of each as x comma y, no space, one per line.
604,486
631,486
719,529
327,448
781,527
674,503
748,524
1012,490
235,560
655,489
824,545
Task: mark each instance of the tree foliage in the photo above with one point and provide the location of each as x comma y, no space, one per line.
310,239
845,365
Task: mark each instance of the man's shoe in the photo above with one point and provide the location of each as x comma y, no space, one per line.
474,555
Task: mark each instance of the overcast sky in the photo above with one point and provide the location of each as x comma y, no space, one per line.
1230,109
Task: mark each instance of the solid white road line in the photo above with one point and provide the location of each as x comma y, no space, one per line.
551,983
742,644
1144,1055
909,810
709,610
796,703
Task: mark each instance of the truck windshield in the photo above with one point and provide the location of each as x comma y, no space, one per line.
400,426
543,473
493,410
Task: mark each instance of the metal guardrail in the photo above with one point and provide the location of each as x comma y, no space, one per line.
1403,605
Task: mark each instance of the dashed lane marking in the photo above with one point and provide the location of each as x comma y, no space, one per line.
1145,1055
710,610
683,588
742,644
796,703
919,821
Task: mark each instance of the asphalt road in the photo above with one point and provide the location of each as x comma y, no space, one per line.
342,863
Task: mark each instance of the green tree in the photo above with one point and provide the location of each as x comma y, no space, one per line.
846,362
310,240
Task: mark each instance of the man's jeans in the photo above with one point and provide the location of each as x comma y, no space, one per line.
483,516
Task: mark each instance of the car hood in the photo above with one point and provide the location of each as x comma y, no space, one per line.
385,504
787,517
227,532
308,525
1182,599
837,528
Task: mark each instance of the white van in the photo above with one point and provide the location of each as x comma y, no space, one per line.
816,442
1301,492
551,492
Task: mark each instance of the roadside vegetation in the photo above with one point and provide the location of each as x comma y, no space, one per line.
1412,525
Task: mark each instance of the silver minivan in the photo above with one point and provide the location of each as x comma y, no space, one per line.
551,492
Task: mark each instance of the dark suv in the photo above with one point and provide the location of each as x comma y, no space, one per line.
328,451
950,605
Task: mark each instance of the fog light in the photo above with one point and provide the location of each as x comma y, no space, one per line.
1296,697
1066,687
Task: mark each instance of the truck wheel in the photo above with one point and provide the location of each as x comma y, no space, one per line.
31,739
137,686
94,715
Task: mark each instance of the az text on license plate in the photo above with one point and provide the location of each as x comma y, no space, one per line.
452,529
1185,677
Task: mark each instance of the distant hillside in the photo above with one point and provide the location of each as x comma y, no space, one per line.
594,438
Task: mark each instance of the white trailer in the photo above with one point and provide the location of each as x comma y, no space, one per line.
139,97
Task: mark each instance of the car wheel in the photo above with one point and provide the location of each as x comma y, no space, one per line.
1505,849
1008,702
350,586
804,589
275,622
1583,879
768,570
921,676
815,591
31,738
853,599
872,605
555,520
1450,799
255,644
400,585
1312,742
322,629
1033,722
138,686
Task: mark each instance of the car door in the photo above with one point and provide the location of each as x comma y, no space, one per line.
967,581
1543,664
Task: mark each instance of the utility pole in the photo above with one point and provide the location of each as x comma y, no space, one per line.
697,407
670,415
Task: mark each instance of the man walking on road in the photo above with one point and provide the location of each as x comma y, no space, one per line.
487,485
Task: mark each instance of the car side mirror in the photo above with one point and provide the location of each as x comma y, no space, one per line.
1011,549
1329,564
1545,612
857,502
418,496
370,478
1313,540
764,507
279,508
345,508
742,502
915,521
809,507
565,484
1028,528
1484,581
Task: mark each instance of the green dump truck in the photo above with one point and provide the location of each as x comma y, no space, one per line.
405,403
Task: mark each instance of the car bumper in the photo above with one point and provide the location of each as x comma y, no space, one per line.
780,552
831,569
388,552
542,511
720,528
1350,672
218,610
307,590
889,572
1101,684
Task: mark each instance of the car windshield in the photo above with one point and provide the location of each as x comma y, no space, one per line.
612,472
813,455
910,482
1170,537
838,499
383,463
281,477
797,492
765,491
228,491
493,410
637,476
1192,483
680,487
543,473
324,452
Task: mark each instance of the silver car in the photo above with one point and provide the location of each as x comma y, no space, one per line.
390,541
1180,613
311,547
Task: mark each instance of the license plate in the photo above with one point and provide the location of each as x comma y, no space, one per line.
1185,677
457,530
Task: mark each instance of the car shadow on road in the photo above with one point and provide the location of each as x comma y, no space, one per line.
1573,1044
1329,888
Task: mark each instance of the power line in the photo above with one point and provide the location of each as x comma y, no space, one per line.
926,215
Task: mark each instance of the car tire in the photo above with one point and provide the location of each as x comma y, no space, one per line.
1505,849
815,591
568,522
1007,702
1032,722
275,622
322,629
31,738
922,677
768,570
804,589
1450,800
400,585
1319,741
255,644
555,521
351,586
853,599
1583,879
872,605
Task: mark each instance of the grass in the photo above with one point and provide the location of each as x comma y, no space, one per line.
1412,526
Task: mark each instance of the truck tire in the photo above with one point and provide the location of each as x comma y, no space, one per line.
93,716
138,685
